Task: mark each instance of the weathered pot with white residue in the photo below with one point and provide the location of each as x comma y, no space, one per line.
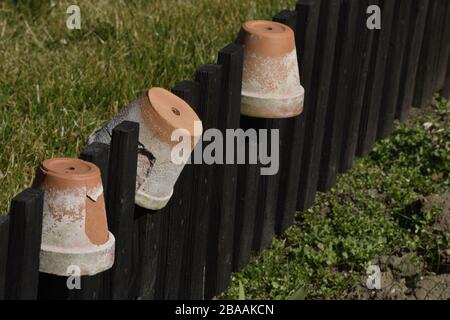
270,81
74,226
159,113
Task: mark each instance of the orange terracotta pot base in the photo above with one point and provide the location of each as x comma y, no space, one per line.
74,227
270,82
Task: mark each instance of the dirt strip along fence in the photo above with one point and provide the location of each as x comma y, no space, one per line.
357,81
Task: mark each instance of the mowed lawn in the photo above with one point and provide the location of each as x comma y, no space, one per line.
57,85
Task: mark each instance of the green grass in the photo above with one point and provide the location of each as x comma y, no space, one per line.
365,215
58,85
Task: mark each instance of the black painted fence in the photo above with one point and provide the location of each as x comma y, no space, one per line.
357,81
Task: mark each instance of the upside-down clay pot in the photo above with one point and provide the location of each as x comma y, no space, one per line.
74,226
159,113
270,81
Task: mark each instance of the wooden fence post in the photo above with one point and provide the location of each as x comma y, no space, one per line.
424,85
393,75
189,91
265,220
148,226
440,46
4,237
362,63
316,102
221,227
291,139
411,61
25,230
97,153
308,19
246,205
444,51
120,204
373,97
446,89
340,93
204,191
161,220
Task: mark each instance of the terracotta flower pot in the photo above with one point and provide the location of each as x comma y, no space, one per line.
74,227
159,113
271,81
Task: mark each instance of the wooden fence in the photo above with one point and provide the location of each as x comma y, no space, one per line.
357,82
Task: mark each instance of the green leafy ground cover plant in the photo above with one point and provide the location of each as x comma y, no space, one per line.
369,213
